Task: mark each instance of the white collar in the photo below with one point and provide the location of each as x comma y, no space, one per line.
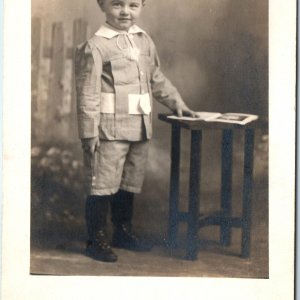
109,32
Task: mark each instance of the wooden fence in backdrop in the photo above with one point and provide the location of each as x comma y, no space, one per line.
50,122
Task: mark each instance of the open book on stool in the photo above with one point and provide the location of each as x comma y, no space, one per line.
236,118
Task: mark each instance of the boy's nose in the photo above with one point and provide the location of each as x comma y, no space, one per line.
125,10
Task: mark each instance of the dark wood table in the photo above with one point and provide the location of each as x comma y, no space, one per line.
224,218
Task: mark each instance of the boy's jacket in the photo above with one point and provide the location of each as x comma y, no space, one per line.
117,73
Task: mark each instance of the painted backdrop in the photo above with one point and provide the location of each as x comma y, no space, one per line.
216,53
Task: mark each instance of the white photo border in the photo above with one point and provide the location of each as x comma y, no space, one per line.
17,283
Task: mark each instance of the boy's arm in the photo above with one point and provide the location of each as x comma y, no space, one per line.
88,95
163,90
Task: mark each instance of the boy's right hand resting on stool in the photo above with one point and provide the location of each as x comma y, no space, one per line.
90,145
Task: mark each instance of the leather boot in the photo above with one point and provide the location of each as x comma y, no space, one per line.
121,217
98,246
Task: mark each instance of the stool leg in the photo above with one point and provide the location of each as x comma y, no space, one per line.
194,195
174,187
247,191
227,145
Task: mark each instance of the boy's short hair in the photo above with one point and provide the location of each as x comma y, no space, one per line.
100,2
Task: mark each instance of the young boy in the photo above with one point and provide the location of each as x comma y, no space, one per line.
117,73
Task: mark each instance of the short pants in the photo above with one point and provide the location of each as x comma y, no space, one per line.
116,165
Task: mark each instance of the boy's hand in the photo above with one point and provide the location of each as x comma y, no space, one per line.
90,145
185,111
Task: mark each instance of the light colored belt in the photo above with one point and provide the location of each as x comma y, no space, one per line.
137,104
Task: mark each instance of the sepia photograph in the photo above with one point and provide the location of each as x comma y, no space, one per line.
111,179
150,151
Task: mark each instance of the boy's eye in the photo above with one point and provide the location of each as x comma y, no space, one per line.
134,4
117,4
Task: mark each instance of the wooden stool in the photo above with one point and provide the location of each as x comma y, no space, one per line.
224,218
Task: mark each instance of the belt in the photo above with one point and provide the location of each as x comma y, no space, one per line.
137,104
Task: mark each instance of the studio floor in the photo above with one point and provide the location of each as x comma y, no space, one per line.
158,262
66,257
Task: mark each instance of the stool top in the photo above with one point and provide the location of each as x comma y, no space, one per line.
260,123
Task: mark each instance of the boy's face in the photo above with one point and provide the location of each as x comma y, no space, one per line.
121,14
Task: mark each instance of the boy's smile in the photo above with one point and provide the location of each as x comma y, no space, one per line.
121,14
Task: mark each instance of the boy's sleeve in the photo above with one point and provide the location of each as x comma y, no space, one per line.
162,89
88,68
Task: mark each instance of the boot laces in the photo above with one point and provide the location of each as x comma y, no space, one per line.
127,230
101,240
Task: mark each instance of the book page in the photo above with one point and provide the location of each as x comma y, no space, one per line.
200,115
234,118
